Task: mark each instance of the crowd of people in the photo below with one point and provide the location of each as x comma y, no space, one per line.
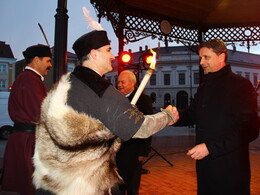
85,137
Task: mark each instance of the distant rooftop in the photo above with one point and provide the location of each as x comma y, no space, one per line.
5,50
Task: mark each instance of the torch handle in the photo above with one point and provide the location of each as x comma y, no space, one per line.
140,89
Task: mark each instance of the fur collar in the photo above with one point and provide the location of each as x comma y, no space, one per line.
97,83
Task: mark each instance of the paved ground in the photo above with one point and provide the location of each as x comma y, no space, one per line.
181,178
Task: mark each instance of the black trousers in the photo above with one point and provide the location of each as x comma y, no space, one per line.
124,191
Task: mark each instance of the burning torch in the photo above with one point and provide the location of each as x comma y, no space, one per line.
146,78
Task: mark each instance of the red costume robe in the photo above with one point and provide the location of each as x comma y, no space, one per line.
24,105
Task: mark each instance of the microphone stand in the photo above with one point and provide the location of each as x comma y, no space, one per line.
158,153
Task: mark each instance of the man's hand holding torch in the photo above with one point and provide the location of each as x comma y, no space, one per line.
171,111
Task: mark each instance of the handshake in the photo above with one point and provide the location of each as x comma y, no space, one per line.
173,114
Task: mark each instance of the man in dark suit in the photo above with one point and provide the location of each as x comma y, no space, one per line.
225,113
133,152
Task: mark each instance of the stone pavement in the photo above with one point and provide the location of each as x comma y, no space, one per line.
180,179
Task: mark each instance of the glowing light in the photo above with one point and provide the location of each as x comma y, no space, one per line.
126,57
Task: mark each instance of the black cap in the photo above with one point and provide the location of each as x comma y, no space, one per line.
92,40
37,50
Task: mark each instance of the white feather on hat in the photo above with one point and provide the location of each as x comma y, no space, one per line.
92,23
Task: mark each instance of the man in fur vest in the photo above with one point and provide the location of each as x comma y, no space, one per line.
83,121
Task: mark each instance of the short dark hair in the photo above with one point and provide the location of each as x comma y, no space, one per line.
84,58
31,59
217,45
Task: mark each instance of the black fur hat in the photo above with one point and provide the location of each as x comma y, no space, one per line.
92,40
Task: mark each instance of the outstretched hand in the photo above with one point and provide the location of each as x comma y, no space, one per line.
173,112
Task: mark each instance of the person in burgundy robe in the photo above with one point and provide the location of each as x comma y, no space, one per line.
27,94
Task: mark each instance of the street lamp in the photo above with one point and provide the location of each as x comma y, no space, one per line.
60,42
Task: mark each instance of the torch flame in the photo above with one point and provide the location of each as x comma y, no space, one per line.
153,62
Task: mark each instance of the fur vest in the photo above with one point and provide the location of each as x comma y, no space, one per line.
74,152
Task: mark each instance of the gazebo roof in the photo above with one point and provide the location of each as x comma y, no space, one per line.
199,13
187,21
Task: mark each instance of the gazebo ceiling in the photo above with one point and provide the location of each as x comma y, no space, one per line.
218,13
187,21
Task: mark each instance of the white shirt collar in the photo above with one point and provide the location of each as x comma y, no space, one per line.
30,68
96,72
128,94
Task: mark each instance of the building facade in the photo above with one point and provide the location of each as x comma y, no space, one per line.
175,80
177,74
7,62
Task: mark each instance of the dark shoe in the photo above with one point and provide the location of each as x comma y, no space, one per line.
145,171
